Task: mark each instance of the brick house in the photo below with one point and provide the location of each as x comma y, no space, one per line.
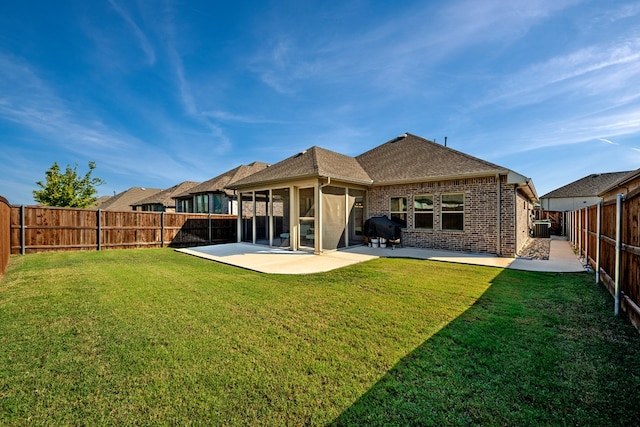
213,196
444,199
163,201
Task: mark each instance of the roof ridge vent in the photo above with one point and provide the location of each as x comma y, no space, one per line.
399,138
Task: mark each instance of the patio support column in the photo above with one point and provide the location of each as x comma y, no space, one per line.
239,218
317,194
346,215
270,216
253,220
294,218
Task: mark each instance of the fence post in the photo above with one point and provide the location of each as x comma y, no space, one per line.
586,237
162,229
598,232
23,243
98,228
209,222
580,239
616,306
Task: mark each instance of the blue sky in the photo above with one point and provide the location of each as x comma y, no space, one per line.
159,92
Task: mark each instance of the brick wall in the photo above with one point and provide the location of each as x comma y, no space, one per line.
480,216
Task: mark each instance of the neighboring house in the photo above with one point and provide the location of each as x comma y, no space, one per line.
575,195
629,185
123,201
444,199
581,193
163,201
213,196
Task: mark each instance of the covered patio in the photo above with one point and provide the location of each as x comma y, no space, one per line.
315,201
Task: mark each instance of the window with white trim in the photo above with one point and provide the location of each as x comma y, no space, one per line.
398,210
423,212
452,206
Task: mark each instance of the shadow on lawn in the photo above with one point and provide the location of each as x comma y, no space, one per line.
535,349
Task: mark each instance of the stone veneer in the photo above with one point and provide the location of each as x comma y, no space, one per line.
480,220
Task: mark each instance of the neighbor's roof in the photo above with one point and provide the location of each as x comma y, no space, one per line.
123,201
165,197
314,162
220,182
589,186
630,176
410,158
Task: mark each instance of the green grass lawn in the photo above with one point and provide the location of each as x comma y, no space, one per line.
154,337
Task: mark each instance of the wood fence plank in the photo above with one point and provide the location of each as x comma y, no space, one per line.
52,229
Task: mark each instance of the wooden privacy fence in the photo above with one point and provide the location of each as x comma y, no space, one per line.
5,236
594,231
42,229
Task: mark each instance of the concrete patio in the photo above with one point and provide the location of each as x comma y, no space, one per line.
266,259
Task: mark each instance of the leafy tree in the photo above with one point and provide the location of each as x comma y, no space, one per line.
68,189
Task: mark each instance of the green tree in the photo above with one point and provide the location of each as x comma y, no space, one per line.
67,189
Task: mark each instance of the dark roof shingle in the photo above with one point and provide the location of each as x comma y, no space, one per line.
314,162
123,201
165,197
222,181
589,186
410,158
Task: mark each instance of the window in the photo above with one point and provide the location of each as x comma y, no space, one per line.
423,212
202,203
217,204
452,211
184,205
399,210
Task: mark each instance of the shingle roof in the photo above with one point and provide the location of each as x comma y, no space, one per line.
590,185
123,201
220,182
411,158
165,197
314,162
631,176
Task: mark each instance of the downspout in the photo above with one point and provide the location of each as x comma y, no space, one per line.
598,231
498,216
616,306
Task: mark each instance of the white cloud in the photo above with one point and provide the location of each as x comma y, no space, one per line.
142,39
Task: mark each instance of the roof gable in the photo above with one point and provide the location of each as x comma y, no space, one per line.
314,162
220,182
123,201
165,197
589,186
410,158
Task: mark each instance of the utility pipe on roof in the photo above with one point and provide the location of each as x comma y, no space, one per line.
616,306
